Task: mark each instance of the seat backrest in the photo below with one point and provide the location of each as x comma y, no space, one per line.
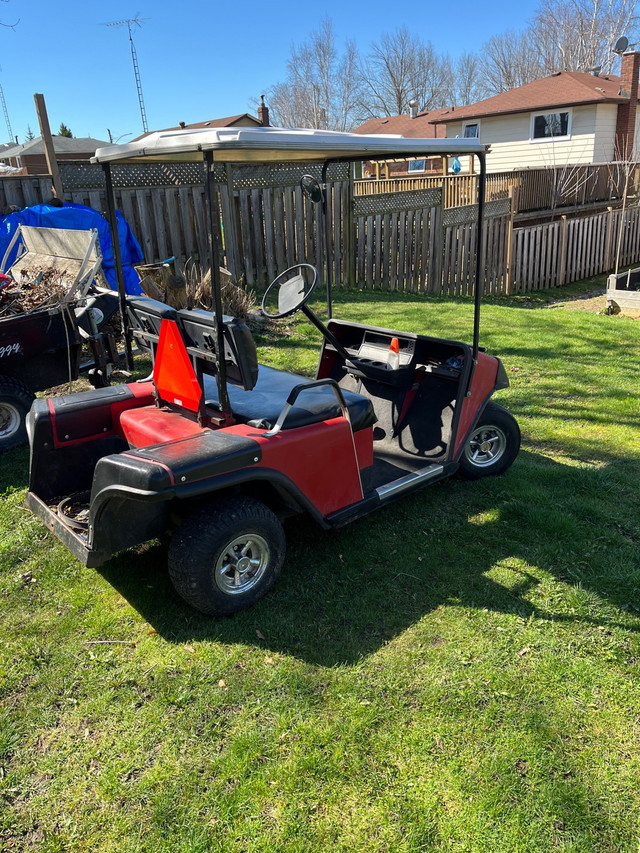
241,358
145,317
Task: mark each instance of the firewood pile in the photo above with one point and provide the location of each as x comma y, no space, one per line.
33,289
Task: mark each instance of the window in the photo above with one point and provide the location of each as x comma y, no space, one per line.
550,125
416,166
471,130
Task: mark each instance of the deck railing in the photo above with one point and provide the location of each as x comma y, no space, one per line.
532,189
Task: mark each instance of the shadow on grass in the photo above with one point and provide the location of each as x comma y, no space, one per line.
14,469
344,594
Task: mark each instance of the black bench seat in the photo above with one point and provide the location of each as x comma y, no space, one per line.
261,406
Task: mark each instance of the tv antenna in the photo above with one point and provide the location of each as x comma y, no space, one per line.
6,112
128,23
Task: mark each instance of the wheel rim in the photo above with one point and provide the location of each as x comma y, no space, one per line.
9,420
486,445
242,564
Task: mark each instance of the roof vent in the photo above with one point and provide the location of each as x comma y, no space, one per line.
413,109
595,70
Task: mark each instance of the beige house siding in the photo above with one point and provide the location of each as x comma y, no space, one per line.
591,139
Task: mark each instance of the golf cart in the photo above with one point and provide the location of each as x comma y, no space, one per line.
217,449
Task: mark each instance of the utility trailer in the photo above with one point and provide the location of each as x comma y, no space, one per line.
218,450
41,345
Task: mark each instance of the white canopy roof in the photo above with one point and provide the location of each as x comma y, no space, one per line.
272,144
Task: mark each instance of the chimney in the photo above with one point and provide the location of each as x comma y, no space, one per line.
413,109
626,124
263,113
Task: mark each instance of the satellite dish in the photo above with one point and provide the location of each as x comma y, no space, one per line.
621,45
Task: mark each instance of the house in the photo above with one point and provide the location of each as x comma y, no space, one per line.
567,118
241,120
29,158
413,124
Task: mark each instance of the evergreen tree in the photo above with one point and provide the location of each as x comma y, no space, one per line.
64,131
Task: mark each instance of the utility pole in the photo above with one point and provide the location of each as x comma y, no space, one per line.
134,58
47,139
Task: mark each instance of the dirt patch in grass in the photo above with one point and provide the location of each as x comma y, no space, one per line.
593,301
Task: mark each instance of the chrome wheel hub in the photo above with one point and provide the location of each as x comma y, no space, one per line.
486,445
242,564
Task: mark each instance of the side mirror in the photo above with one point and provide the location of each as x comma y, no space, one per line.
311,188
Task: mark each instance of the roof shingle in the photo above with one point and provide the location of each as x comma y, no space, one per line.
562,89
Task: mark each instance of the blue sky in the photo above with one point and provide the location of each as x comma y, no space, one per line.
197,60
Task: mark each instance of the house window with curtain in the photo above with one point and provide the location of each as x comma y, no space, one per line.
550,125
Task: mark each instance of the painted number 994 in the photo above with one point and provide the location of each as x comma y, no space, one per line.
10,349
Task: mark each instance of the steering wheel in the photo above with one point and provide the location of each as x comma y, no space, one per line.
289,291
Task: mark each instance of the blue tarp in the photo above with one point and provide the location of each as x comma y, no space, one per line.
81,218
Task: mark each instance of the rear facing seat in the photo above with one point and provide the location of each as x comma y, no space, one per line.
261,406
259,393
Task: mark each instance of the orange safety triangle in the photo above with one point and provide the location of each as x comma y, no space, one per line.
173,373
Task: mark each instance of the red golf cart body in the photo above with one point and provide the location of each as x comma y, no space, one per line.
220,448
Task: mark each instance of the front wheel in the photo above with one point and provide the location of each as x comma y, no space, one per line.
226,556
15,401
492,446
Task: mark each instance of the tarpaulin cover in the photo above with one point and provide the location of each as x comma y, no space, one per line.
81,218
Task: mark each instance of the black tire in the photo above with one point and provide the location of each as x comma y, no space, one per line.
15,401
492,446
205,546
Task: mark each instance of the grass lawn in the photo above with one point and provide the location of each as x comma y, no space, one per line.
458,672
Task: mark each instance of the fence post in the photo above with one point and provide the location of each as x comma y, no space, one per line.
435,263
508,283
350,231
563,252
231,231
607,256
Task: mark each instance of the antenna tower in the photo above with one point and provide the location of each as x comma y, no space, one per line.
134,58
6,112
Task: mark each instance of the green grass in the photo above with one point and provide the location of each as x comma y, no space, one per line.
459,672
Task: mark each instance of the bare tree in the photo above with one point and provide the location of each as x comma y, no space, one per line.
469,80
321,87
564,35
578,34
511,60
400,68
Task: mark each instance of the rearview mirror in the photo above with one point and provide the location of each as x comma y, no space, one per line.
311,188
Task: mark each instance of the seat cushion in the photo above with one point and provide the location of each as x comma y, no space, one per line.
264,403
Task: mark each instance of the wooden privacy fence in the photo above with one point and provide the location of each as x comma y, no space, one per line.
23,191
567,250
409,241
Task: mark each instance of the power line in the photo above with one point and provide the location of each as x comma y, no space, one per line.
134,58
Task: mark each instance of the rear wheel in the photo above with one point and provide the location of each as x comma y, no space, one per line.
15,401
225,557
492,446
